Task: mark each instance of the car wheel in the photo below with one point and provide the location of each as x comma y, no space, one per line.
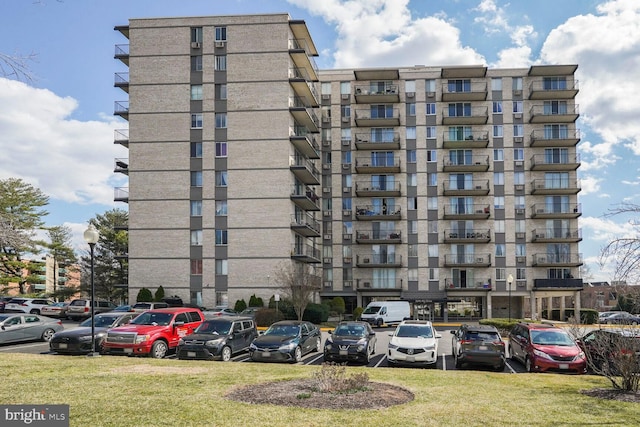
47,334
226,353
34,311
379,323
297,355
318,345
528,366
367,356
500,367
159,349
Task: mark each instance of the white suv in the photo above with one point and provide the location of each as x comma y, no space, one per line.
26,305
413,342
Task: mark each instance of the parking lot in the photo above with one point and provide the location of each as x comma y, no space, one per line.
445,359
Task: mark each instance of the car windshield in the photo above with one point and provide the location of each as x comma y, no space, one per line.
100,321
353,331
216,328
414,331
283,330
153,318
482,336
3,318
372,309
551,338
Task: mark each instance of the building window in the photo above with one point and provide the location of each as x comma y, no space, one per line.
345,134
500,274
410,86
498,155
345,111
221,179
196,178
434,274
498,178
411,132
220,63
516,83
497,131
221,208
432,203
196,35
497,107
196,121
432,226
521,273
196,208
412,203
432,250
498,226
196,237
431,132
430,85
411,109
412,251
196,63
221,91
518,202
518,130
196,92
518,154
221,34
412,227
196,150
517,106
221,149
411,156
221,267
325,88
500,251
345,88
496,84
196,267
221,120
346,203
412,274
432,156
432,179
498,202
521,249
431,109
412,180
221,237
520,226
518,178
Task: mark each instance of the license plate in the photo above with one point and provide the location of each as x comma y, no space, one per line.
344,352
266,354
62,345
483,347
191,354
128,350
563,366
411,359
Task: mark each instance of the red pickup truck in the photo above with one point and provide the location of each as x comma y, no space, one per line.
153,333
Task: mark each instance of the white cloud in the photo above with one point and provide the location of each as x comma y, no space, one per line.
67,159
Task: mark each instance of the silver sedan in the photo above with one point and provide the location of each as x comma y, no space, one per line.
20,327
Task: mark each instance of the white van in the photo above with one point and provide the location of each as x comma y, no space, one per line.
378,313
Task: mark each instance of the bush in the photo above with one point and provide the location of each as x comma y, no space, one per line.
255,301
144,295
357,312
338,306
159,294
285,307
332,378
267,316
240,305
316,313
503,325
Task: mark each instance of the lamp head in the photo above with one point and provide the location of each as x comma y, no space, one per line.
91,235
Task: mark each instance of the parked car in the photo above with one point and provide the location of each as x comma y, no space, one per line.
78,340
286,341
350,341
219,311
251,311
125,307
3,302
414,342
609,350
380,313
545,348
218,338
57,309
27,327
81,308
621,318
26,305
478,345
154,332
144,306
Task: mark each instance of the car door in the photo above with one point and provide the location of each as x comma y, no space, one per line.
516,349
11,330
32,327
238,338
305,340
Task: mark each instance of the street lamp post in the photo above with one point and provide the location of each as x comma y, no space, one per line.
509,282
91,236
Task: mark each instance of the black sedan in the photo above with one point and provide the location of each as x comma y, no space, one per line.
286,341
611,351
350,341
78,340
622,318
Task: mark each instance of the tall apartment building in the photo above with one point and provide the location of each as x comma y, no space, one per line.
446,186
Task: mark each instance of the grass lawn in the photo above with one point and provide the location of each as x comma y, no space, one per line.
122,391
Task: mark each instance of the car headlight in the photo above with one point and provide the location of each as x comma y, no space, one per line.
213,343
85,338
288,346
180,341
392,346
361,347
253,347
430,347
580,356
141,338
542,354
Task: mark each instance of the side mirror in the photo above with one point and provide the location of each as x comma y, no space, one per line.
330,331
390,334
438,335
453,332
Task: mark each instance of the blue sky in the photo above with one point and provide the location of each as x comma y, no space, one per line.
56,130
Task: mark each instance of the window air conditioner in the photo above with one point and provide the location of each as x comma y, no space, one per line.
346,166
520,211
517,139
327,237
346,236
366,284
519,187
517,115
326,96
519,163
326,119
539,211
345,96
348,283
519,235
346,189
346,142
327,260
411,94
196,45
327,213
326,143
346,119
431,94
326,190
327,284
521,259
326,167
219,44
347,212
517,92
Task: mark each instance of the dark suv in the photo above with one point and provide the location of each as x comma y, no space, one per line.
478,345
219,337
544,348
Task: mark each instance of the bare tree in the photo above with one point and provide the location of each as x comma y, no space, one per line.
16,66
624,251
299,283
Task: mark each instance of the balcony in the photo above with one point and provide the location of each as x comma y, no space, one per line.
305,225
553,235
373,237
121,108
379,260
468,163
121,166
377,93
306,253
553,114
305,199
559,211
303,114
121,194
467,236
121,80
557,260
555,89
301,51
553,162
379,189
466,115
462,138
377,74
377,164
458,284
467,260
375,141
304,142
377,284
554,138
460,212
299,79
122,53
557,284
374,117
304,170
121,136
378,213
464,90
554,186
466,188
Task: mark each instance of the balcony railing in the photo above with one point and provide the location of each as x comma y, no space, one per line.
557,259
121,194
564,113
466,211
376,211
121,108
555,234
479,260
306,198
471,235
560,210
376,236
563,161
378,284
555,186
121,136
306,224
457,283
306,253
555,137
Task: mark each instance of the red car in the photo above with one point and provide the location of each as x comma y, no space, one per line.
545,348
154,332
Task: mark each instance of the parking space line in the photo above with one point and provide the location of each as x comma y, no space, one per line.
513,371
309,362
382,359
21,346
